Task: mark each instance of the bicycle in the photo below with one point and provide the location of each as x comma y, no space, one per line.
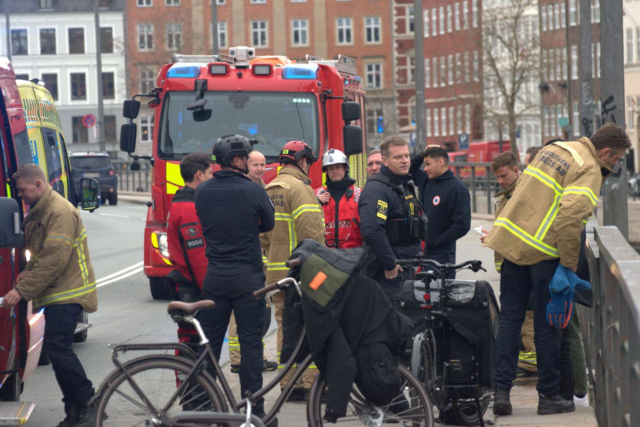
449,380
196,399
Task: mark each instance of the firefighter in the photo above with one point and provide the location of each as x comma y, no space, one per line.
531,154
536,231
256,167
231,227
59,278
374,162
298,217
392,220
339,199
185,241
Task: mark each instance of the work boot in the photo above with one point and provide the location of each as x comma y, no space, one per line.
268,366
87,415
235,369
554,405
71,410
502,402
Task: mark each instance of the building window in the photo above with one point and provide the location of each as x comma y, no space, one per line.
372,29
563,16
443,71
545,122
552,73
344,31
450,66
630,109
108,86
172,2
629,45
465,15
576,119
145,37
573,13
427,72
412,69
174,36
435,72
374,76
259,33
145,3
452,121
373,115
556,13
110,128
51,83
458,68
442,23
80,132
258,2
22,77
545,66
146,128
459,118
46,4
222,34
19,42
443,120
78,86
434,22
48,41
428,121
474,12
449,19
466,67
300,29
426,28
412,19
596,11
574,62
467,115
565,74
598,57
436,122
106,40
543,17
476,66
147,81
550,17
457,16
76,40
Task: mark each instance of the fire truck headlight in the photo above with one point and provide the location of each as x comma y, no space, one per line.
163,244
218,69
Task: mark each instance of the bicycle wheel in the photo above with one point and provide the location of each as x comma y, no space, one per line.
428,374
362,413
156,380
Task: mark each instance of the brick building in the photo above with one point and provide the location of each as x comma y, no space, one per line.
453,65
631,24
359,29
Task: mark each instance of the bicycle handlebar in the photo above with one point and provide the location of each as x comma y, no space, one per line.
475,265
279,284
262,292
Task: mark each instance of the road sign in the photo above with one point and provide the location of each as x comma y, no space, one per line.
89,120
463,141
563,121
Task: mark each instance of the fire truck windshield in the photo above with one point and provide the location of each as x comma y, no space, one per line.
271,118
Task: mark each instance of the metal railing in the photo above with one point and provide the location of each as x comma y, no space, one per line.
133,181
611,329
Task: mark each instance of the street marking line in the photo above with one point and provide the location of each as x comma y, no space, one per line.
117,273
124,276
114,215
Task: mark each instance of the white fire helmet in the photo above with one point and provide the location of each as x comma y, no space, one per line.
334,157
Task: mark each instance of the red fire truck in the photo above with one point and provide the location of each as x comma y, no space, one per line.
271,99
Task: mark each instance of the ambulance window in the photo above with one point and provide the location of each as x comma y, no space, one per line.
54,163
23,150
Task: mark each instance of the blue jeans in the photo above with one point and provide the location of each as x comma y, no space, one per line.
235,293
516,284
60,326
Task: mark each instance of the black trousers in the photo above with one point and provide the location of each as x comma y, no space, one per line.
516,284
61,321
235,293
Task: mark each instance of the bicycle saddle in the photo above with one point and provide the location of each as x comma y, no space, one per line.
189,308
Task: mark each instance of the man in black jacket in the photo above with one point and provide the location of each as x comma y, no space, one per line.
233,211
446,201
391,218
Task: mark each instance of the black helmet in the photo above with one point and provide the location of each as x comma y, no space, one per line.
229,146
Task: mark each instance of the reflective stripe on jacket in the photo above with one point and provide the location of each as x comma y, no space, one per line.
503,197
59,271
298,216
544,218
347,225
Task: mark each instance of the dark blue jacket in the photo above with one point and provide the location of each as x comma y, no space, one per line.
233,211
448,205
378,204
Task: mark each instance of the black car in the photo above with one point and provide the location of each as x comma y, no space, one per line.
99,167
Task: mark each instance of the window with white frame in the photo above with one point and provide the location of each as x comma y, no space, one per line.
543,17
467,116
372,29
427,29
563,16
344,29
545,66
574,62
545,121
629,45
174,36
258,2
427,72
78,86
459,118
449,19
436,122
259,33
474,12
146,128
458,68
300,32
434,22
552,67
598,57
435,72
556,15
596,11
450,65
144,3
452,121
374,76
576,119
476,66
573,13
412,69
593,59
147,81
466,67
550,19
456,8
553,120
565,74
465,15
411,14
443,119
222,34
172,2
442,21
427,113
145,37
443,71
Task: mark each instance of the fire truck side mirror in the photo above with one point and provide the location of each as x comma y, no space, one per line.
352,137
350,111
131,108
128,133
11,234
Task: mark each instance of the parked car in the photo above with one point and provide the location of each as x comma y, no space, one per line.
99,167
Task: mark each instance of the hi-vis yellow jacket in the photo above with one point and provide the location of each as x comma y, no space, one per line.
59,271
298,217
503,197
550,205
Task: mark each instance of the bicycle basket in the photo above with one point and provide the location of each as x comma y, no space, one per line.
460,292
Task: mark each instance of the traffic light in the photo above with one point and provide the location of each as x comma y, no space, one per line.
380,125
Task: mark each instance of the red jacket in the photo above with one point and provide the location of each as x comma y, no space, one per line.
345,225
184,237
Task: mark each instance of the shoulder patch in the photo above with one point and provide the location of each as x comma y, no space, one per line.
382,209
356,194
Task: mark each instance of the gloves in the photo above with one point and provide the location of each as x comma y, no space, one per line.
560,309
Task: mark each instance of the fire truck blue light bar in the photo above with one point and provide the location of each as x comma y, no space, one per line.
300,72
183,71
